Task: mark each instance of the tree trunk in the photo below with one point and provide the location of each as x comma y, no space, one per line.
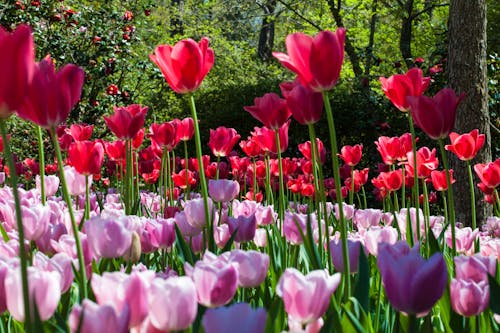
266,36
467,73
405,37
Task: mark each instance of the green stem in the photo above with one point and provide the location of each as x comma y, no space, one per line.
416,194
168,180
41,162
186,168
282,202
472,203
351,192
162,185
203,182
269,190
74,227
87,199
403,188
338,189
20,228
127,178
427,215
254,177
217,171
451,204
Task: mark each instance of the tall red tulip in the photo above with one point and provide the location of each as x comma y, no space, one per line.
438,179
351,155
86,156
305,104
80,132
17,65
222,140
435,116
317,61
398,87
184,128
466,146
489,173
164,135
184,65
267,139
270,110
52,95
126,121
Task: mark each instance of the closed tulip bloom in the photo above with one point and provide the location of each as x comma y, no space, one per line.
97,318
405,274
184,65
489,173
250,147
222,140
51,184
351,155
317,61
164,135
389,149
466,146
307,297
243,226
398,87
291,224
270,110
305,104
223,190
378,235
184,129
475,268
464,239
252,267
17,65
86,157
353,248
435,116
75,180
469,298
216,282
238,317
126,122
52,94
108,237
36,221
389,181
80,132
366,218
306,150
266,138
439,181
195,212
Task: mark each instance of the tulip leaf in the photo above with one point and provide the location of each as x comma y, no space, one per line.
433,243
362,291
333,321
230,242
184,249
494,294
355,318
314,249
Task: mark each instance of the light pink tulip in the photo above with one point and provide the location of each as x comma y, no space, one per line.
51,184
402,220
366,218
186,229
475,268
97,318
239,318
35,221
469,298
464,239
223,190
293,221
108,238
252,267
348,211
60,263
221,235
195,212
260,238
307,297
172,303
245,208
4,269
75,181
265,215
377,235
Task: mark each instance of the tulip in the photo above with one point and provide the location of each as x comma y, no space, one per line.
223,190
351,155
270,110
115,150
250,147
291,224
184,129
366,218
435,116
469,298
389,181
80,132
164,135
35,221
466,146
243,226
90,318
464,239
195,212
438,179
52,94
51,184
86,157
17,65
108,237
184,65
75,180
222,140
186,229
378,235
252,267
267,139
489,173
126,122
305,149
405,274
426,162
215,281
307,297
389,149
398,87
238,317
475,268
353,248
305,104
317,61
180,179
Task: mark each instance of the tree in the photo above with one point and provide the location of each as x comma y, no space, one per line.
467,73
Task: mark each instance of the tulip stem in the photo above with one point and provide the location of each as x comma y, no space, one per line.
203,182
281,200
41,163
451,204
338,190
168,180
217,171
472,203
87,199
186,168
416,194
162,184
20,228
254,177
74,227
403,188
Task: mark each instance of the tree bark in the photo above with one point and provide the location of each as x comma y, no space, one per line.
266,36
406,30
467,73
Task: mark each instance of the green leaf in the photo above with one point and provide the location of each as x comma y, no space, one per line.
362,290
184,250
494,294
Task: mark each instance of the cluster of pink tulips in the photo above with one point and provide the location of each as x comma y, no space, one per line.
252,242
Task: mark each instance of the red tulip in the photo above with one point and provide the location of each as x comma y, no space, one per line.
267,140
400,86
86,156
305,104
115,150
126,121
181,178
360,179
184,129
389,181
317,61
270,110
426,162
351,155
389,149
466,146
435,116
52,94
164,135
138,138
250,147
184,65
489,173
222,140
17,65
80,132
439,179
305,149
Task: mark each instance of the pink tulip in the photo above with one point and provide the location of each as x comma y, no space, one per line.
475,268
239,318
108,238
464,239
97,318
265,215
398,87
307,297
292,222
246,208
223,190
162,232
75,181
252,267
4,270
51,184
60,263
172,303
243,226
378,235
186,229
260,238
35,221
366,218
195,212
469,298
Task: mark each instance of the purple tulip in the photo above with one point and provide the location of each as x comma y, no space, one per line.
97,318
307,297
239,318
406,274
243,226
108,238
252,267
353,248
223,190
469,298
172,303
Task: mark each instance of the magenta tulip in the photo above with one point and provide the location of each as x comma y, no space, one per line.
398,87
270,110
252,267
305,104
90,318
108,237
469,298
223,190
238,317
